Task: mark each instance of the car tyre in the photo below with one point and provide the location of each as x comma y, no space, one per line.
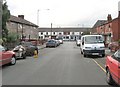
81,52
13,61
103,55
24,56
85,55
109,78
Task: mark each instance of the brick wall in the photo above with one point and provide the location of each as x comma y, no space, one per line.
115,30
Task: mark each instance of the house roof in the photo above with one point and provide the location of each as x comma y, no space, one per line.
21,21
73,29
99,23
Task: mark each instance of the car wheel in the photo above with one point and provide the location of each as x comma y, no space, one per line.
109,78
84,55
103,55
24,56
81,52
13,61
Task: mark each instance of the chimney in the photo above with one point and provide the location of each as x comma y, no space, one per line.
21,16
119,9
109,18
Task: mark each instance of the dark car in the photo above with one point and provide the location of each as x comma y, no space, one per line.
51,43
113,68
6,56
30,48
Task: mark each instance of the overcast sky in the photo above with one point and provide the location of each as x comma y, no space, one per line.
64,13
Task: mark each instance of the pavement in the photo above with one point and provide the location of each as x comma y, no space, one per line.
41,46
108,52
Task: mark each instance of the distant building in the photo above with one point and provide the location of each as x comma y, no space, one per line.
25,29
70,33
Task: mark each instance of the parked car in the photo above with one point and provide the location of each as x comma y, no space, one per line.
60,40
6,56
20,52
30,48
113,46
78,42
113,68
51,43
92,45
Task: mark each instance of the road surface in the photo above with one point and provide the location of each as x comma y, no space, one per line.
63,65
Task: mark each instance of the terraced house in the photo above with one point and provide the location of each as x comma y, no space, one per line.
67,33
109,28
25,29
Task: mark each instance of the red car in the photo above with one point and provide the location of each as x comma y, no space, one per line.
7,57
113,68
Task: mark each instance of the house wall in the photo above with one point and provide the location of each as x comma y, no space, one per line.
28,31
115,30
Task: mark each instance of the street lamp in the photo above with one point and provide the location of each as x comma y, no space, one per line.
51,30
38,15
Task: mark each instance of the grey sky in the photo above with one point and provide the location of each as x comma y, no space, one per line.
64,13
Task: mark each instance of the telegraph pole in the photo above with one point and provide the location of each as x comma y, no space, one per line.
51,30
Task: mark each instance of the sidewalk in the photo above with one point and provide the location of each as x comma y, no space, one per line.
41,46
108,52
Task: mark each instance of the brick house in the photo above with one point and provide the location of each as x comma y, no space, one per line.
22,27
109,28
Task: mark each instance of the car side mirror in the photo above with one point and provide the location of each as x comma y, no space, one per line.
6,49
82,43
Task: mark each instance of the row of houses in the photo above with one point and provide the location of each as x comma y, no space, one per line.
71,33
26,30
30,31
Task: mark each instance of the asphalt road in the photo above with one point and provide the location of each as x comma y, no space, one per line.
63,65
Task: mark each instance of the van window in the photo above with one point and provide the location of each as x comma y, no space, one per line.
94,39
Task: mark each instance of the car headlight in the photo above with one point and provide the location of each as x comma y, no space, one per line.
87,47
102,47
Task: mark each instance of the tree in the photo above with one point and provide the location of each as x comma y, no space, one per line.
5,17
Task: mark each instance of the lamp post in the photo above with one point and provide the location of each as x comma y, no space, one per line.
51,30
38,14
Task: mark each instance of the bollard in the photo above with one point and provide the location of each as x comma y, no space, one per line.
35,54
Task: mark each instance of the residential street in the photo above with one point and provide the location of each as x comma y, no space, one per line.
63,65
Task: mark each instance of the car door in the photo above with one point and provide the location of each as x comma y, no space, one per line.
6,57
82,44
114,66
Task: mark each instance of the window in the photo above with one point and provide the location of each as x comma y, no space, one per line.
60,34
41,33
46,33
54,33
116,56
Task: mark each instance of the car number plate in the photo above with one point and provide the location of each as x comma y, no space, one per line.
95,53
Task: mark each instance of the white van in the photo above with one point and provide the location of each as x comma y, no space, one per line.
92,45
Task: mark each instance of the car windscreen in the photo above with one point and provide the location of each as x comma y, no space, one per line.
51,41
1,48
117,54
94,39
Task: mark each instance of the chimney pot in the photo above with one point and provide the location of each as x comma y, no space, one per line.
109,18
21,16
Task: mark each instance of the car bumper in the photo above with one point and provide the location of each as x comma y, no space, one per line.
50,45
94,52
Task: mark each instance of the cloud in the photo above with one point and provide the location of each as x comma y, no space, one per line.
64,12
